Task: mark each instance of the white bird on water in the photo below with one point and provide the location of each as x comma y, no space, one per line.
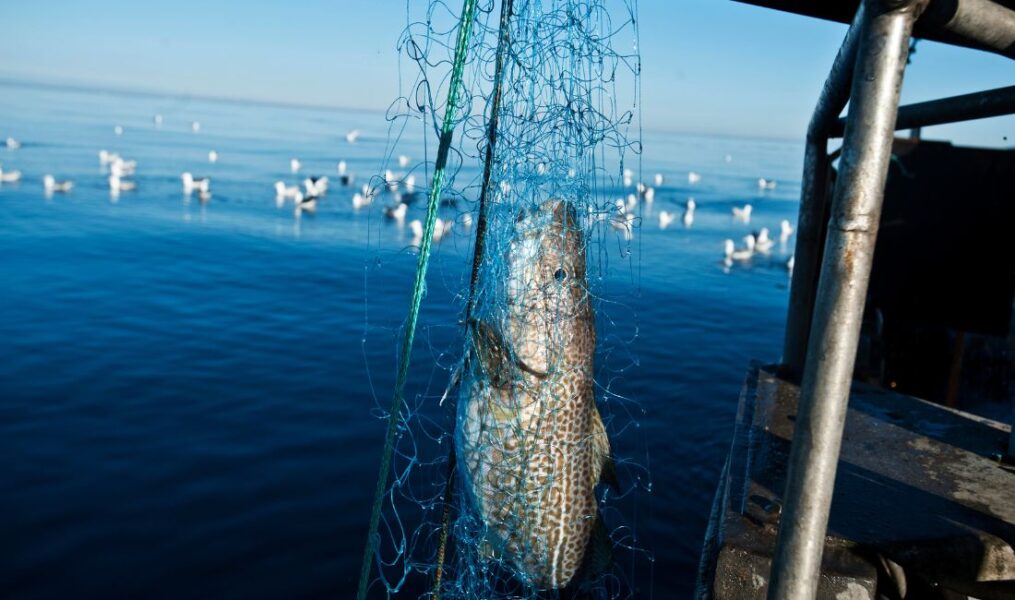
51,185
305,204
352,136
342,167
766,184
316,186
122,167
9,176
743,214
117,184
623,221
199,184
790,264
762,242
693,177
106,157
689,212
732,253
213,157
628,177
12,144
285,192
195,126
403,161
157,120
665,218
786,230
118,130
360,200
294,165
396,213
659,179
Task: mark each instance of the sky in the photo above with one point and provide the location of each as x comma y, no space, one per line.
709,66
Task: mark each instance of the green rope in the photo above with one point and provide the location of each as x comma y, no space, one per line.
418,288
506,8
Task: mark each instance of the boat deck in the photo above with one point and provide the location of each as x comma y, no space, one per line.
923,498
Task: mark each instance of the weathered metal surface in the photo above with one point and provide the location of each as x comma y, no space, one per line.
813,215
981,105
981,24
842,288
919,487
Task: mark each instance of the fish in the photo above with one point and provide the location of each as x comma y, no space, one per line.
531,443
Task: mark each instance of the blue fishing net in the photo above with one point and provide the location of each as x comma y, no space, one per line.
509,478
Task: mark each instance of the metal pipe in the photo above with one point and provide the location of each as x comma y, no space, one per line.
811,218
842,288
980,24
980,105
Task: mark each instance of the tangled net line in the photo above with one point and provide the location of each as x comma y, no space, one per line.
533,109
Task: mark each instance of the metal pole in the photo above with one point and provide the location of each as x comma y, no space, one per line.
811,218
842,288
979,105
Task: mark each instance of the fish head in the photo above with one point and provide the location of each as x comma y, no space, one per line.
548,309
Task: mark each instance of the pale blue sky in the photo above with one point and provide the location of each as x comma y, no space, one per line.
711,66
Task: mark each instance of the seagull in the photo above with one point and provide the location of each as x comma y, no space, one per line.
743,214
316,186
106,157
689,212
416,226
785,231
157,119
391,180
649,194
665,218
341,167
693,177
466,220
294,165
441,228
403,161
305,203
191,183
12,144
733,254
628,177
118,129
117,185
763,243
50,185
283,192
396,213
10,176
790,264
410,184
360,200
122,168
623,221
213,157
352,136
766,184
659,179
632,201
195,126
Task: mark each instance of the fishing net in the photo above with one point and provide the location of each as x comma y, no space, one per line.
512,479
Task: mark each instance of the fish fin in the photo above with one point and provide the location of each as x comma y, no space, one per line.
456,378
496,356
596,562
491,352
605,468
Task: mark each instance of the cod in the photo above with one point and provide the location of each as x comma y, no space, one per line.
531,443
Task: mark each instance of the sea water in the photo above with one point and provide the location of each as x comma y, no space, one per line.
190,390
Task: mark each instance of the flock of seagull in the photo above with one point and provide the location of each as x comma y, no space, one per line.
757,242
402,188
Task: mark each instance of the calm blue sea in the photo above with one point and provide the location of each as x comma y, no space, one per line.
189,390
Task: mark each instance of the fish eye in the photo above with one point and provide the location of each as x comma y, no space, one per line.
560,275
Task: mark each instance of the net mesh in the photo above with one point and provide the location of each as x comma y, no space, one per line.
517,487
